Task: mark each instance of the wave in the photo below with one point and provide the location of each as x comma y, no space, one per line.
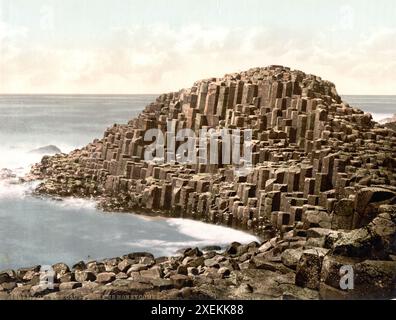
19,158
12,188
74,203
378,117
210,232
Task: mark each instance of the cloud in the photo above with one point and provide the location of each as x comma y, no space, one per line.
157,58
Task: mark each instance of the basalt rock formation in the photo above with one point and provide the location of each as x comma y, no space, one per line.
321,193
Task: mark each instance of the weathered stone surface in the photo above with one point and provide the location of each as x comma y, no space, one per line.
291,257
69,285
105,277
309,268
83,276
179,281
375,279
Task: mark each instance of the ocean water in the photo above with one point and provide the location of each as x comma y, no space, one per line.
380,107
44,231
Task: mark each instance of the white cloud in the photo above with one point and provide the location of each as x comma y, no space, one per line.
159,58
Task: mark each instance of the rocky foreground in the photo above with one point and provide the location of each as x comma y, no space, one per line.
321,195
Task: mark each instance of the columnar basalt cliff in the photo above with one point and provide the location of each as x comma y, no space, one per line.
321,193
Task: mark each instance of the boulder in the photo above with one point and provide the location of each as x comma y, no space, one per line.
125,264
79,266
105,277
309,268
60,269
291,257
211,248
367,201
359,243
137,267
138,255
233,248
96,267
4,277
152,273
375,279
69,285
331,269
224,272
179,281
84,275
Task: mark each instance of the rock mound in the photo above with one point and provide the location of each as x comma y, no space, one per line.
322,181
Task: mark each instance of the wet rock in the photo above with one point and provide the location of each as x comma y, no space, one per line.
233,248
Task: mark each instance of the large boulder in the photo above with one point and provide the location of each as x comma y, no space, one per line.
359,243
309,268
375,280
375,241
367,201
291,257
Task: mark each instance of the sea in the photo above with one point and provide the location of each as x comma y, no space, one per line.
36,230
44,231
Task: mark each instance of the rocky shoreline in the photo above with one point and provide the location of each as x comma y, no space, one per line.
298,265
321,195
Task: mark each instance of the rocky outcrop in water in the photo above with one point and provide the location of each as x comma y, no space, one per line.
47,150
321,191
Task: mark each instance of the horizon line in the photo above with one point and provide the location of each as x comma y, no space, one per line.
130,94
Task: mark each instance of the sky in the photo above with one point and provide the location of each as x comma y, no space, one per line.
154,46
